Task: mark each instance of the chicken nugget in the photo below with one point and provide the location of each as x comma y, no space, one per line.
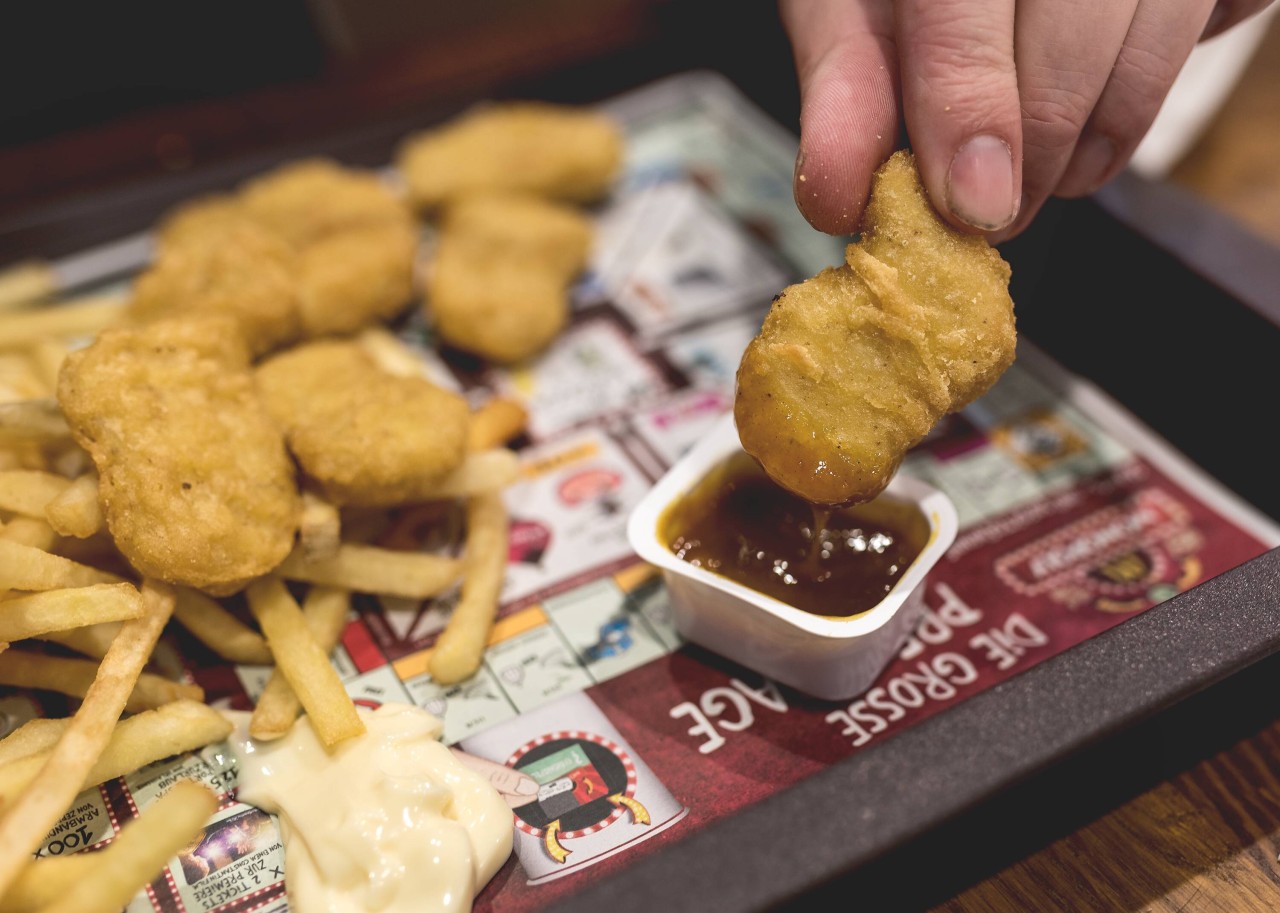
857,364
368,438
499,282
355,277
201,218
194,479
236,269
559,152
306,201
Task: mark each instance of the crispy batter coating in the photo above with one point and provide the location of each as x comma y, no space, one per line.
499,283
223,265
855,365
553,151
201,218
195,481
367,437
355,277
306,201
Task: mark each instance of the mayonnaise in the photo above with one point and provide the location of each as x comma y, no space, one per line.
389,821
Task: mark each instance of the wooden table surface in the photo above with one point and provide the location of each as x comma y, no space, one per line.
1207,839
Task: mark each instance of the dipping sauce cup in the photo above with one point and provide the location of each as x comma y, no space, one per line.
832,656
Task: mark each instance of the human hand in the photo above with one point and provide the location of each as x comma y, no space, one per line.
1002,111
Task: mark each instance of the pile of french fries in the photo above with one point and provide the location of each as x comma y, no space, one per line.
62,582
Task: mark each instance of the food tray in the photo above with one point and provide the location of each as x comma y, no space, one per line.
1035,646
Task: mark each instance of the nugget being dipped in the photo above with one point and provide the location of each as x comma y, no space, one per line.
499,282
195,483
551,151
857,364
368,438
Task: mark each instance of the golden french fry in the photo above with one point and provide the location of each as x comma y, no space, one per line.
391,353
135,742
37,810
25,283
303,662
496,422
367,569
458,652
76,512
23,567
29,531
141,851
91,640
75,677
59,610
19,379
480,473
31,738
81,317
325,609
28,492
47,356
219,630
32,421
42,883
320,530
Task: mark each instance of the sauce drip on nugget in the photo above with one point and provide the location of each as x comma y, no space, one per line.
195,483
857,364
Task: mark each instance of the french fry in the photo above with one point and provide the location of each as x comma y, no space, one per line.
47,356
58,610
141,851
325,609
25,823
301,660
26,282
32,421
91,640
367,569
480,473
29,531
18,378
42,883
390,352
320,530
23,567
81,317
496,422
31,738
219,630
74,677
458,652
134,743
28,492
77,512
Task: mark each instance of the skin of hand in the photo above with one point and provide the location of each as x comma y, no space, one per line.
1005,102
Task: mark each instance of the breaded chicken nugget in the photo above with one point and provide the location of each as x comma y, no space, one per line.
195,482
355,277
306,201
201,218
563,153
855,365
499,282
236,269
367,437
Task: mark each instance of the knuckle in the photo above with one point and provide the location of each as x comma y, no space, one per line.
1053,118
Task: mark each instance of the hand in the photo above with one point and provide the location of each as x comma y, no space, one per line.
1001,110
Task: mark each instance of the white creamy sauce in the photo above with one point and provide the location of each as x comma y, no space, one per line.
389,821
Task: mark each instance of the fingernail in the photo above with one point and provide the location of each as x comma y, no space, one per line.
1089,165
980,189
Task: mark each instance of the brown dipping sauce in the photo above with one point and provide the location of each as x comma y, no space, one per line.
737,523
